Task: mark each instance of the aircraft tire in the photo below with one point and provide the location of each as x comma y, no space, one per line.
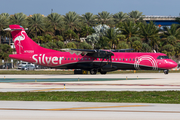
102,72
93,71
166,72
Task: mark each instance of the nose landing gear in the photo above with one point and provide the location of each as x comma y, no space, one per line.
166,71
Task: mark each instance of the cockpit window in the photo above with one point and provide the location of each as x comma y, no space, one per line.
162,57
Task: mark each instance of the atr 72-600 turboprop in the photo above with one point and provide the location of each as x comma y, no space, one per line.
94,61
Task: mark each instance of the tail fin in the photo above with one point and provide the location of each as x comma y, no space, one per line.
24,44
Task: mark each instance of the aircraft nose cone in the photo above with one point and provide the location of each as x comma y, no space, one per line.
174,64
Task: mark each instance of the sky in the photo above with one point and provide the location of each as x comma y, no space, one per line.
148,7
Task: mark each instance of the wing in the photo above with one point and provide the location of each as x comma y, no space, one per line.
122,50
91,53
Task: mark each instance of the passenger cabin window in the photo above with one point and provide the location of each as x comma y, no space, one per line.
74,58
126,59
71,58
116,59
130,59
68,58
64,58
162,57
113,59
85,58
123,59
78,58
133,59
119,59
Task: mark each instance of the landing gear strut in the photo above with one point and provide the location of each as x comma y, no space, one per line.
93,71
166,71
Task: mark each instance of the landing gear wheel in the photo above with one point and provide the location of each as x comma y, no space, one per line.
166,71
102,72
93,71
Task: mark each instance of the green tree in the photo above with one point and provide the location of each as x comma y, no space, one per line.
39,39
168,50
58,38
5,50
104,17
72,20
136,16
174,30
148,31
3,23
86,30
36,24
48,38
52,45
70,34
103,43
122,45
111,35
84,45
171,40
88,18
145,48
119,17
129,29
71,45
60,44
137,45
177,49
19,18
55,21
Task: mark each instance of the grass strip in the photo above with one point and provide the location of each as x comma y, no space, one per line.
72,72
96,96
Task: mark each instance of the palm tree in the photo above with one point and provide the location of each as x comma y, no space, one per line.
129,29
137,45
72,20
111,35
70,34
119,17
88,18
104,17
55,21
36,24
4,21
136,15
19,18
172,31
148,31
86,30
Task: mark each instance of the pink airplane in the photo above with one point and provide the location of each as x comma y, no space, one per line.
94,61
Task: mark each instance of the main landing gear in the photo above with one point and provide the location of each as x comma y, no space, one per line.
166,71
93,71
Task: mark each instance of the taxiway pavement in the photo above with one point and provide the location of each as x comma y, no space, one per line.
131,82
28,110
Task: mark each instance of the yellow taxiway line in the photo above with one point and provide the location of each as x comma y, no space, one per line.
77,108
46,89
59,109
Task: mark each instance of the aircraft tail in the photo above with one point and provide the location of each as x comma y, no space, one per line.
24,44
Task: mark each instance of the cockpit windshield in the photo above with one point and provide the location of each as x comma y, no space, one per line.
162,57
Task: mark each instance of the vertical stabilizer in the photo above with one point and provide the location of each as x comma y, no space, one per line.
24,44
